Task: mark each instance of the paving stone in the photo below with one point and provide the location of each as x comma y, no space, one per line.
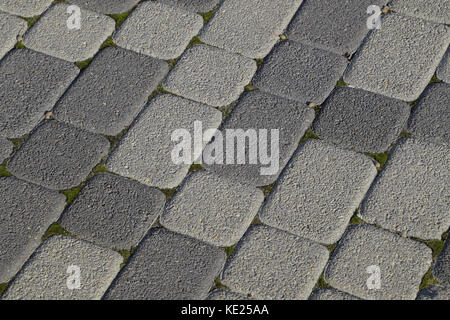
58,156
26,212
434,293
193,5
257,110
158,30
145,153
319,191
399,59
331,294
339,26
300,72
168,266
410,195
272,264
25,8
109,94
212,209
226,295
441,270
51,34
47,275
10,29
106,7
250,27
112,211
402,264
434,10
30,85
443,71
431,117
210,75
6,148
361,120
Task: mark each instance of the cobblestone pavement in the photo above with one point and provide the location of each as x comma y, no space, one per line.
93,205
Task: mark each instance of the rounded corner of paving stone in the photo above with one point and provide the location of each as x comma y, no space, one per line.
6,148
106,7
25,8
11,28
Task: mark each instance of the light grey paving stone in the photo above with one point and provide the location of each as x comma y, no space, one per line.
193,5
158,30
25,8
145,153
112,211
51,34
272,264
49,272
434,10
402,264
250,27
361,120
431,117
168,266
399,59
337,25
443,71
109,94
434,293
331,294
226,295
300,72
6,148
258,111
441,269
30,85
26,212
58,156
106,7
212,209
11,28
410,195
210,75
318,192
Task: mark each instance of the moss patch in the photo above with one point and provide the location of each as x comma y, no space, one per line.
56,228
229,250
109,42
195,167
309,135
381,158
219,285
428,280
83,64
71,194
31,21
3,171
19,141
126,254
168,192
120,18
3,287
195,40
341,83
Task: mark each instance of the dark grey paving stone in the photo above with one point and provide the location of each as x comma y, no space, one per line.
331,294
46,275
431,117
272,264
338,25
52,36
212,209
226,295
257,110
109,94
25,8
318,192
443,71
30,85
6,148
106,7
158,30
193,5
11,28
410,195
58,156
399,59
434,293
442,268
145,153
114,212
168,266
300,72
402,263
434,10
210,75
361,120
26,212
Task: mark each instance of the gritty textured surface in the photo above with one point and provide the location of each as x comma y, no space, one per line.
109,94
25,8
434,10
319,191
113,212
434,293
11,28
46,275
331,294
6,148
336,25
399,59
30,84
168,266
26,211
158,30
106,7
300,72
58,156
431,117
402,263
441,269
145,153
193,5
212,209
210,75
411,194
273,264
226,295
257,110
52,36
443,71
361,120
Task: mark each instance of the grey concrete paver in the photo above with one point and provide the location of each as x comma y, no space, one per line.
226,295
193,5
11,28
434,10
441,269
443,71
25,8
6,148
106,7
168,266
364,250
331,294
434,293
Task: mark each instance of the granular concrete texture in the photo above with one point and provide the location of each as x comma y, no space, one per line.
6,148
106,7
193,5
434,10
11,28
442,268
434,293
443,71
331,294
25,8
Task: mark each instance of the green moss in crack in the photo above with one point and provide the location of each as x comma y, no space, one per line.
435,79
381,158
259,62
120,18
126,254
309,135
208,15
19,141
31,20
249,87
109,42
355,220
71,194
341,83
169,193
3,287
196,167
19,45
56,228
428,280
321,283
83,64
229,250
195,40
256,221
3,171
267,189
218,285
226,111
100,168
